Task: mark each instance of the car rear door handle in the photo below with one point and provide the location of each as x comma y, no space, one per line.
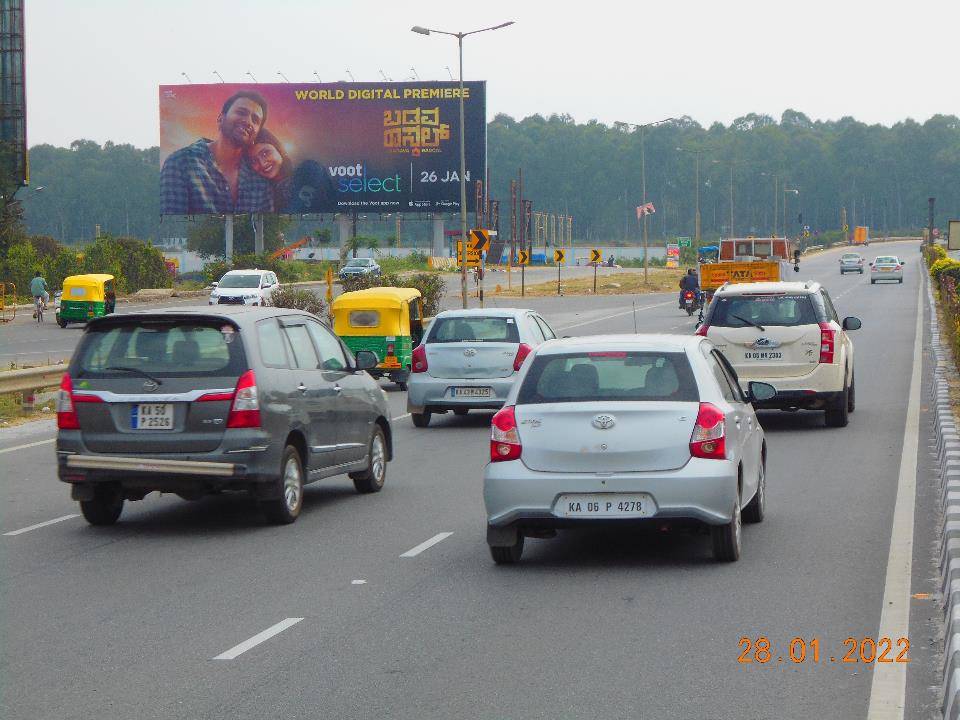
302,388
337,389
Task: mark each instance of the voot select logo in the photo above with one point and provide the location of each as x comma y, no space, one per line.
354,179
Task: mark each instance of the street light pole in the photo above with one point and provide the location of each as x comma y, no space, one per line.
463,152
786,191
643,190
696,222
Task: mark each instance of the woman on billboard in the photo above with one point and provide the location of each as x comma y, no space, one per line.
305,189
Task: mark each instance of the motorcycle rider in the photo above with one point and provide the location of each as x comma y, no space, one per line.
691,282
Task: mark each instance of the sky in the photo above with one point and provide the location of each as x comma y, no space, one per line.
93,67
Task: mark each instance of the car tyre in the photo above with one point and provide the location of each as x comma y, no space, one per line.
371,480
420,420
839,415
900,281
757,507
61,323
286,508
105,507
727,538
509,555
852,395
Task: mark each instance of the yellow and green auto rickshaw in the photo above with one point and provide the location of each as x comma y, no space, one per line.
385,320
85,297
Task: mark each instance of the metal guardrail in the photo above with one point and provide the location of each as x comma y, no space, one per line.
31,378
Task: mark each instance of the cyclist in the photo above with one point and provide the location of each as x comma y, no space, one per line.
38,289
690,281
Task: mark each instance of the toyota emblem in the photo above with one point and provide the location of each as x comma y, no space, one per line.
469,352
604,422
150,386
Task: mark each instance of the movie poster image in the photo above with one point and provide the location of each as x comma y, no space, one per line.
318,147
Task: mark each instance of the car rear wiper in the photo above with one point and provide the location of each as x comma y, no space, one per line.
135,371
748,322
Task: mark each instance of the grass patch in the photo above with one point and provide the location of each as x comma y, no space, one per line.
12,412
660,280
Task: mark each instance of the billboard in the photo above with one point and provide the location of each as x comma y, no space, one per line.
318,147
14,167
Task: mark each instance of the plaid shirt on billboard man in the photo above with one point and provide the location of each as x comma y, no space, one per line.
213,176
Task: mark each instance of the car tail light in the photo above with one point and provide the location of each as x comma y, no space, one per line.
703,330
873,268
504,437
899,267
522,351
827,338
419,359
216,397
708,439
66,412
391,348
245,411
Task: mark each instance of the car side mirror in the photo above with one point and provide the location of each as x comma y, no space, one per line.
852,323
760,392
366,360
215,284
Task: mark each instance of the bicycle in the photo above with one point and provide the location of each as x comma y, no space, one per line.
38,308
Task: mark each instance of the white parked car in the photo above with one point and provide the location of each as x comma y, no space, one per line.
625,429
886,268
789,335
244,287
469,360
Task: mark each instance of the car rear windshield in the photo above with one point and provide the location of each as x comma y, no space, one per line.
851,257
359,262
886,260
474,329
735,311
609,375
240,281
162,349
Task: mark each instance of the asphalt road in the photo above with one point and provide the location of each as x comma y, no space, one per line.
388,606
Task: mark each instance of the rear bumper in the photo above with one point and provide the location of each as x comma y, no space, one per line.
244,460
425,391
889,276
813,391
801,400
703,490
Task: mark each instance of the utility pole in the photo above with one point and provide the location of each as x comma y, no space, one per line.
930,207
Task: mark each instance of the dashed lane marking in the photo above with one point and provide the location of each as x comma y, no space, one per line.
21,531
261,637
439,537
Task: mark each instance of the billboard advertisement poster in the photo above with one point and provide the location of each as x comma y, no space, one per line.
953,235
673,255
319,147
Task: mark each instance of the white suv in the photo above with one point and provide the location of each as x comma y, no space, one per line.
244,287
789,335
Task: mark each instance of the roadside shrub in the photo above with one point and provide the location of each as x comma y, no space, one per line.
945,266
134,263
430,285
299,299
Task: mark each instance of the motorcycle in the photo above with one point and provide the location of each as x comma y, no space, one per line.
692,301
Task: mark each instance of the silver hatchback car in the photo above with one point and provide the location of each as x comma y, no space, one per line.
625,429
469,359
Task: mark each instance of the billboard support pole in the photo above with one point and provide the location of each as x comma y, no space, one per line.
463,186
438,242
343,231
228,237
258,242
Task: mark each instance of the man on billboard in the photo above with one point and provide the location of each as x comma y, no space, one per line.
216,176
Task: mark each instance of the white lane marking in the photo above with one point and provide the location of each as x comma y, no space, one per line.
358,582
889,686
400,417
28,445
413,552
607,317
21,531
238,650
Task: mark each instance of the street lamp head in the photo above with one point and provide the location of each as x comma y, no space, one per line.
420,30
502,25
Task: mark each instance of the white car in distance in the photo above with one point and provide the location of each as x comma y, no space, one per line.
244,287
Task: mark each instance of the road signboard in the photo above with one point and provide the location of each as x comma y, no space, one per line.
673,255
480,240
596,255
473,256
523,257
559,256
953,235
683,242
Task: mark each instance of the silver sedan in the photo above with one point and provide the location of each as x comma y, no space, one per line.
886,268
625,429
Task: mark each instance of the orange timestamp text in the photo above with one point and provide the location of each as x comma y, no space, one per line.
761,651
